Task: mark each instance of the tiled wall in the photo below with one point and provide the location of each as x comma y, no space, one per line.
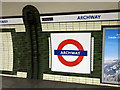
18,28
92,53
49,52
6,57
6,49
22,74
73,79
19,74
69,26
77,26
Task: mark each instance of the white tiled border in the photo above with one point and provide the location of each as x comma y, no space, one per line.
73,79
22,74
6,47
19,74
18,28
92,53
77,26
67,26
49,52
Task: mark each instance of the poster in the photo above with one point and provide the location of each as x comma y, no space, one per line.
71,52
111,60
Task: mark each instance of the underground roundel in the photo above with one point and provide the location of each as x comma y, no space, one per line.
71,52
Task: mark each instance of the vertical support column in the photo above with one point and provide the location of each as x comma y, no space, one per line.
31,18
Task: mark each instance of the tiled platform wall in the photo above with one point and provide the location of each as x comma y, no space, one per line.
77,26
73,79
69,26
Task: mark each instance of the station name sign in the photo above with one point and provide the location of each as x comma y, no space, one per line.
3,21
67,18
70,52
89,17
11,21
83,17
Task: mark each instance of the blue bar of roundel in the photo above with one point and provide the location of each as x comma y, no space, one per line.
79,53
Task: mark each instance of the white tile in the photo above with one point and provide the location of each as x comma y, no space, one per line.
92,53
44,77
113,22
22,28
88,80
8,75
96,81
51,77
56,26
82,80
63,78
12,26
63,26
69,26
19,74
49,52
68,78
75,79
76,26
24,74
50,26
108,85
17,28
3,26
57,78
97,25
118,22
83,26
90,26
6,26
44,26
105,22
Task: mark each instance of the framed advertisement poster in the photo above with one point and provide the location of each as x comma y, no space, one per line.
111,56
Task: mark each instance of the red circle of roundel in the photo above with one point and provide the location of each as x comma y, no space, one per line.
78,45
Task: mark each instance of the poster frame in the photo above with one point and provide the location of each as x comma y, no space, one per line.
103,44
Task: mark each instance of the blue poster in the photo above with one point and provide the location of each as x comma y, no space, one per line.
111,62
